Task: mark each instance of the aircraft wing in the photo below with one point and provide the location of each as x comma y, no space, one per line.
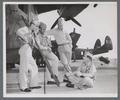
49,7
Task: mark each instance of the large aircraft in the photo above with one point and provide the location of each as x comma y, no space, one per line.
22,14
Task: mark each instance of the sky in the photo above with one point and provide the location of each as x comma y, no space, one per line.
96,23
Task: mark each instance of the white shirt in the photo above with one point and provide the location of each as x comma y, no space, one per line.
61,37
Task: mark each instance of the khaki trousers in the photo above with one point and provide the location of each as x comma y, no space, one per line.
65,53
53,61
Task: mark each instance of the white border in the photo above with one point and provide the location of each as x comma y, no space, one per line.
82,95
42,95
56,2
4,52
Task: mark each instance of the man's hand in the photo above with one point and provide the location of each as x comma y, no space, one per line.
78,73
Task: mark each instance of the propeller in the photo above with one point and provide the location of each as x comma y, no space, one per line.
75,21
68,12
55,23
66,19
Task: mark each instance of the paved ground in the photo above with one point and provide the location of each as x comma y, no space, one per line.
105,85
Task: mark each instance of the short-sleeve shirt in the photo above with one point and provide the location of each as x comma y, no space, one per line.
60,36
44,40
87,69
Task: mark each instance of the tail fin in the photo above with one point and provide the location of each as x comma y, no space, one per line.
97,44
98,49
108,43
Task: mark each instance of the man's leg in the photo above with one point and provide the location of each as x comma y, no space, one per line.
68,53
64,61
47,59
84,83
88,82
78,82
53,61
23,69
63,58
23,78
34,82
48,77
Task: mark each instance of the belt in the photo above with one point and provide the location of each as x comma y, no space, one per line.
63,44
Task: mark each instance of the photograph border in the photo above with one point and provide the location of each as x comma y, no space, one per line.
4,46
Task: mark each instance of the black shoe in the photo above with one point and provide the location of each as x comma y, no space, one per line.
51,82
66,79
70,85
26,90
35,87
56,79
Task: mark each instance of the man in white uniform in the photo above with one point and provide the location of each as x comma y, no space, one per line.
64,45
85,75
27,62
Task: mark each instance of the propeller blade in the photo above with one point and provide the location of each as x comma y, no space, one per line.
76,22
55,23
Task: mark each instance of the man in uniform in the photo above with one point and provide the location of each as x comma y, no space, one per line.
64,45
44,45
85,75
27,62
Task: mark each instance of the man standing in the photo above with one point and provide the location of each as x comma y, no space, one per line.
64,45
27,62
44,45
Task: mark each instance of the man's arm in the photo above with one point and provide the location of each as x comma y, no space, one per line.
91,72
87,75
80,73
50,32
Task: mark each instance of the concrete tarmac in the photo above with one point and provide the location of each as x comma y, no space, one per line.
105,83
105,86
